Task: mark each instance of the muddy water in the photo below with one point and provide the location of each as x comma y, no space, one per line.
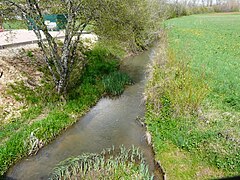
110,122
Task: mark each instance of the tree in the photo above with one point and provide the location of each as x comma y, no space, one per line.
125,21
60,60
122,20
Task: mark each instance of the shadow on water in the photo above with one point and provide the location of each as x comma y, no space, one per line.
112,122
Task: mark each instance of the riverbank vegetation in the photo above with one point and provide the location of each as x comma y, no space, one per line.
113,163
193,97
45,114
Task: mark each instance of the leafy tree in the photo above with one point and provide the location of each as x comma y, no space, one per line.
122,20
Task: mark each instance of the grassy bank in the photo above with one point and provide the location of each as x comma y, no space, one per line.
193,97
46,115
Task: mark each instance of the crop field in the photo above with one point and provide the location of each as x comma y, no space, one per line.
196,132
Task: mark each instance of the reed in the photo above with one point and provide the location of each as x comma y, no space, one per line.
115,82
120,163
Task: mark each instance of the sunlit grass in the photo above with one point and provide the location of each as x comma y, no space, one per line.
14,24
212,43
182,165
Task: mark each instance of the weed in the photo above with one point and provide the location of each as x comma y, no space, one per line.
29,53
109,164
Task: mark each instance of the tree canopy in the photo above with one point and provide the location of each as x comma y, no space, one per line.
124,21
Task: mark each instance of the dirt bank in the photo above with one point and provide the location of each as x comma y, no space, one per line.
17,65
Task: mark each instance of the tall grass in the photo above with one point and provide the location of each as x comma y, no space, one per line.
109,164
173,87
115,82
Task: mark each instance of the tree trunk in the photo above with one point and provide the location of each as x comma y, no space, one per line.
61,86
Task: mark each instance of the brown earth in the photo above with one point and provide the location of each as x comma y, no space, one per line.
17,65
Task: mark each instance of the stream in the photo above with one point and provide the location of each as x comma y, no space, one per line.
111,122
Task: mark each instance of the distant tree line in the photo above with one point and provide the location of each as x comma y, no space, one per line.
176,8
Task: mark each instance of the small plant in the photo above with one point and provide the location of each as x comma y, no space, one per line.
109,164
35,144
29,53
115,82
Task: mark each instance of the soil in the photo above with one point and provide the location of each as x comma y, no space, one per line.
16,66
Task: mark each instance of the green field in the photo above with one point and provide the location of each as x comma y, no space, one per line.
213,44
196,129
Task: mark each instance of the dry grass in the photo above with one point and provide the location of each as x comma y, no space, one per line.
16,68
172,83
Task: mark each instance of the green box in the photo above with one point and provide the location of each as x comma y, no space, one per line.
54,22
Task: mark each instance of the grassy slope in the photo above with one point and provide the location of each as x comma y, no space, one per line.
205,144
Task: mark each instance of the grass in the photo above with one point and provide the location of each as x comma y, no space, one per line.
212,42
193,97
45,115
14,24
114,83
109,164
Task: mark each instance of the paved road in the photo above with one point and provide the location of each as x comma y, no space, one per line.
18,37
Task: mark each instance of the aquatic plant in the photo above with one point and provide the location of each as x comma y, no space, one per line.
115,82
109,164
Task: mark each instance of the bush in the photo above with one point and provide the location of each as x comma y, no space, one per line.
100,62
